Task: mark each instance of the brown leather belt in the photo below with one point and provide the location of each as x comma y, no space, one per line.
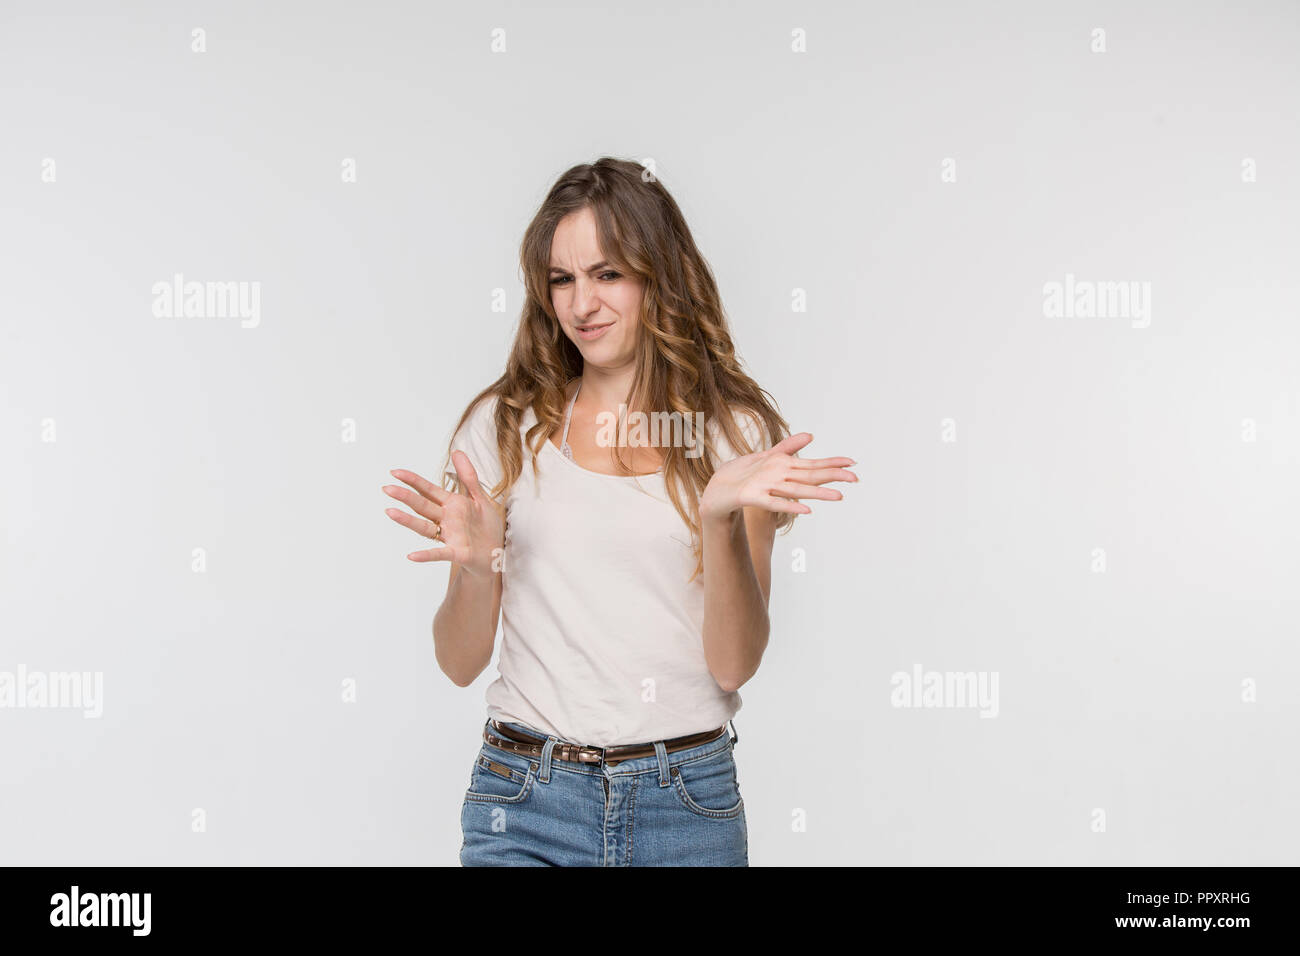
517,743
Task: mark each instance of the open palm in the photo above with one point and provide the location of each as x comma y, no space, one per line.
471,526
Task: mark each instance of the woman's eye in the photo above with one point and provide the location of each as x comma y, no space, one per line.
611,276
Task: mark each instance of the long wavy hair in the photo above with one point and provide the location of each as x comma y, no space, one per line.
685,360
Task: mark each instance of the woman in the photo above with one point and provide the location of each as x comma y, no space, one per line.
631,575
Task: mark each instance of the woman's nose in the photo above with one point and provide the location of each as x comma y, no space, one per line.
585,299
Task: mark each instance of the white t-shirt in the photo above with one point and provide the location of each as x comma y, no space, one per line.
601,635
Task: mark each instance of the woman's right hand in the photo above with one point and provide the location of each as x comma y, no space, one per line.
470,526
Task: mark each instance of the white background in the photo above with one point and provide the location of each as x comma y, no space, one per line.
1120,691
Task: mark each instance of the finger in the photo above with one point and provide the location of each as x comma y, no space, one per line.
785,506
823,462
417,503
420,526
793,489
468,476
433,554
792,443
425,487
820,476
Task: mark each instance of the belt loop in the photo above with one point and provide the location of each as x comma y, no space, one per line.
545,775
662,753
735,734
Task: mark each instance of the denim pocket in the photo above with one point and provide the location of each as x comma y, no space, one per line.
708,786
501,777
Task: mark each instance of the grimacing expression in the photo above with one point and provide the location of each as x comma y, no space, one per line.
587,293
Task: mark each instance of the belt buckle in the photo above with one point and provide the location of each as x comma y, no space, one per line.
585,755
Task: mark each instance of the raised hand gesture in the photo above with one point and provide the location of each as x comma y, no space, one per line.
471,526
774,479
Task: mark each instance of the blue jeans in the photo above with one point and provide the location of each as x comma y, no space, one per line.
667,809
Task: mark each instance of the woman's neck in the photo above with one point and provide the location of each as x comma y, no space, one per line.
602,391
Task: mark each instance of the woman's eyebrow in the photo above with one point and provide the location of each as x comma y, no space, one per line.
599,265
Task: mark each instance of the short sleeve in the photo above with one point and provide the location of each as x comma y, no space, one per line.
477,439
753,430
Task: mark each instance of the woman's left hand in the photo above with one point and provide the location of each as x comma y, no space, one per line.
772,479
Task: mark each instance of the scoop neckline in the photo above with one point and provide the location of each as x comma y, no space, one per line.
599,474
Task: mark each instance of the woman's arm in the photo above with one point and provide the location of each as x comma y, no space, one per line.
737,587
470,526
465,626
739,511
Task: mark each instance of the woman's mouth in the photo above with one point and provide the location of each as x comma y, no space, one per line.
593,331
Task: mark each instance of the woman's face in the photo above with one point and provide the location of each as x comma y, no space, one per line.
588,293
